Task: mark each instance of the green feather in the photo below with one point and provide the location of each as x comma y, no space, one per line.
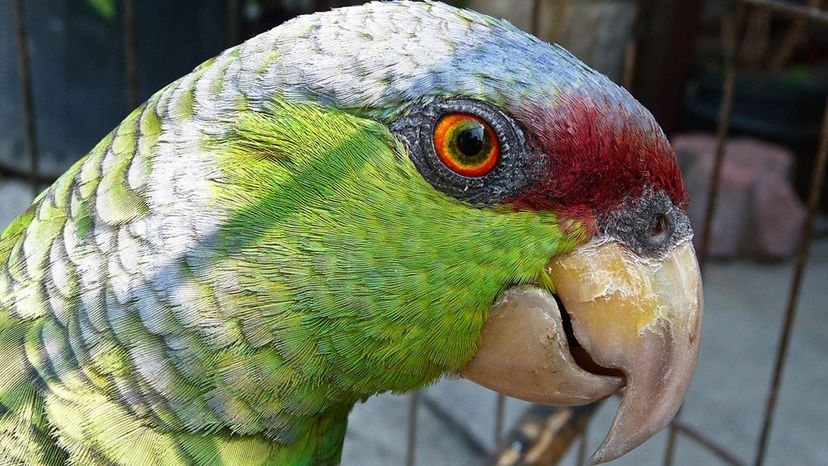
370,279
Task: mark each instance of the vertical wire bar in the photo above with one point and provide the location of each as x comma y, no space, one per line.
129,54
711,446
24,70
630,53
723,126
730,37
411,442
796,285
500,408
536,17
582,446
792,9
233,22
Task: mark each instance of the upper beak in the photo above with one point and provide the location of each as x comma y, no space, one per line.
637,315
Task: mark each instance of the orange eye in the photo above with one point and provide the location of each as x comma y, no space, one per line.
466,144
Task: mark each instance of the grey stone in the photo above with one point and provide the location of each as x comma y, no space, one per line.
757,213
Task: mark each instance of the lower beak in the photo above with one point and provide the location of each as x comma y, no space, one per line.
636,316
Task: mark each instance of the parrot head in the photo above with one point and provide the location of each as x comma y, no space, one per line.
421,191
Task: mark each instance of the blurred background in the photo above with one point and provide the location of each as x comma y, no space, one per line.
740,87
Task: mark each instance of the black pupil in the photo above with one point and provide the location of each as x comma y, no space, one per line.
470,141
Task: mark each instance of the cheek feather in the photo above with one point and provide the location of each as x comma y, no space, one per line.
601,149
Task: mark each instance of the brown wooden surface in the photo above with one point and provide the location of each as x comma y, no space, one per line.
543,435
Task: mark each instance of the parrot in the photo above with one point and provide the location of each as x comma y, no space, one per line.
355,202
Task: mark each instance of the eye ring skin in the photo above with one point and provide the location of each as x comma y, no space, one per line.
510,176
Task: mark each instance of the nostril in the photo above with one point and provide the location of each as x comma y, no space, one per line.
661,229
649,226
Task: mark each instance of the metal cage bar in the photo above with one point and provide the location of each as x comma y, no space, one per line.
411,438
130,56
817,180
713,447
23,66
790,9
233,22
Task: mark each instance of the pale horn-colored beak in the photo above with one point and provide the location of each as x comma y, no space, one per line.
641,316
524,354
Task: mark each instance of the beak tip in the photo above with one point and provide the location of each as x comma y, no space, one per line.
606,453
655,345
594,460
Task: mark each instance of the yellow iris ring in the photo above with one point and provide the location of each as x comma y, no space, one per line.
446,134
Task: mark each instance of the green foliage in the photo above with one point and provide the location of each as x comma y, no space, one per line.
106,9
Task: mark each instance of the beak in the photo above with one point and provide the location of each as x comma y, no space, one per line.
525,355
636,317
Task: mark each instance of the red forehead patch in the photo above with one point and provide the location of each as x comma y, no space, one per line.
600,149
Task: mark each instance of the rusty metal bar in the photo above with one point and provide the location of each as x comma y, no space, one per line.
630,54
130,60
723,126
411,441
454,425
500,409
24,70
672,439
712,446
536,17
20,174
793,37
789,9
796,285
233,22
